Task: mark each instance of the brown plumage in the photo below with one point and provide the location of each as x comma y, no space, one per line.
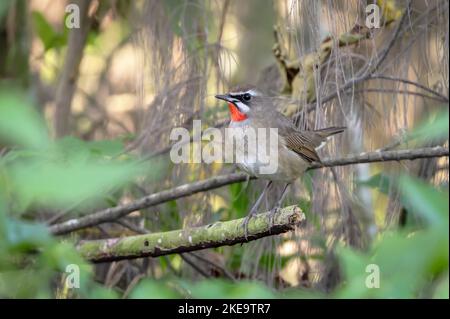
305,143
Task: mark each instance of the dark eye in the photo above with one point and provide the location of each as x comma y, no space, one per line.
247,97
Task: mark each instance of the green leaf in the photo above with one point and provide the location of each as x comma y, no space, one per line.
59,184
49,37
437,127
106,147
215,288
43,29
24,235
150,289
19,122
72,147
425,200
4,7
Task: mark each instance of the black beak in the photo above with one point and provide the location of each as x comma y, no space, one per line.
224,97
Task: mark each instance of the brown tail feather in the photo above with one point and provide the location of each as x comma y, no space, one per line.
325,132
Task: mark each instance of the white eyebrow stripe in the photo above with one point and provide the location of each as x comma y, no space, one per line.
252,92
237,93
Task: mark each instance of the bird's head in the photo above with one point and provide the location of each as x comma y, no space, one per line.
241,101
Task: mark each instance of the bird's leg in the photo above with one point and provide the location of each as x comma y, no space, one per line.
274,210
254,209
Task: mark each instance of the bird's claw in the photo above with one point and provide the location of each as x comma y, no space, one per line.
272,215
245,225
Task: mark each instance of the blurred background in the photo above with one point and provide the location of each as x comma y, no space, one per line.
86,114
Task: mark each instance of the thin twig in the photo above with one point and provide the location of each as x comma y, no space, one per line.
194,266
394,91
364,74
394,38
406,81
372,157
224,271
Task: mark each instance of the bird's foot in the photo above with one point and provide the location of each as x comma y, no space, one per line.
273,212
245,225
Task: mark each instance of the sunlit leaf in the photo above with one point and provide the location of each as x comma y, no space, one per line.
437,127
425,200
49,37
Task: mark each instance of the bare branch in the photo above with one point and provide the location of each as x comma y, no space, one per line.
194,266
69,74
406,81
406,92
185,240
114,213
111,214
393,39
377,156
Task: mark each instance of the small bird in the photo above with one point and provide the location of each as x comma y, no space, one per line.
296,148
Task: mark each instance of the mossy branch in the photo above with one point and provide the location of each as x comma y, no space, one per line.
184,240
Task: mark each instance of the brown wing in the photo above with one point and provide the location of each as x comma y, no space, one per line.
303,145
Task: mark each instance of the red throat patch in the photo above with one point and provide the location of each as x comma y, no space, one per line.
236,115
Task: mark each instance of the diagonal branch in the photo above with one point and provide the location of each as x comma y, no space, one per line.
114,213
191,239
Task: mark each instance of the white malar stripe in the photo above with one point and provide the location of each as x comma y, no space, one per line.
244,108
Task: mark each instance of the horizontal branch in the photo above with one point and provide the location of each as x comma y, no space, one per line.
114,213
384,156
190,239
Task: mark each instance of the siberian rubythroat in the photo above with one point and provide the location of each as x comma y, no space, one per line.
296,149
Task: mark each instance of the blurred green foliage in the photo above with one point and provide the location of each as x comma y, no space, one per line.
38,174
411,261
50,38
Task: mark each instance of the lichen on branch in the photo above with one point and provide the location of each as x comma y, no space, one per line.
190,239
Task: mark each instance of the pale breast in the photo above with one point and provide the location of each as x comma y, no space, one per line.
285,165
